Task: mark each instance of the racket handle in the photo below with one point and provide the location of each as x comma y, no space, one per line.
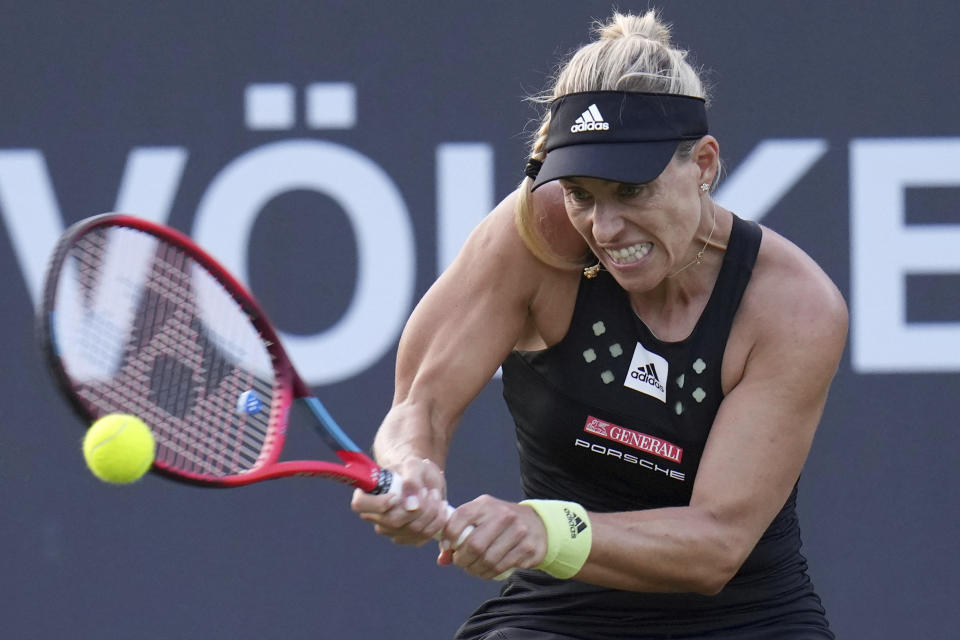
396,488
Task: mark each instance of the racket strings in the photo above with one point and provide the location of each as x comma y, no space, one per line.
188,353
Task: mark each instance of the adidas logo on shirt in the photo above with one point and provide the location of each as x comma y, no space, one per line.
590,120
647,372
651,372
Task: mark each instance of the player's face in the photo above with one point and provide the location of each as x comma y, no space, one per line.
641,233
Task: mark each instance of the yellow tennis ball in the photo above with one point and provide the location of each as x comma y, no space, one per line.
119,448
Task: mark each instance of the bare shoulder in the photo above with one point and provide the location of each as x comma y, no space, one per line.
496,259
498,267
789,277
553,225
494,247
792,304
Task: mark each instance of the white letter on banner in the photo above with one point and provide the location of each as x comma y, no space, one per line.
150,182
376,210
30,210
464,194
29,206
767,174
884,249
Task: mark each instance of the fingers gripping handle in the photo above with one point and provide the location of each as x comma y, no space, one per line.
396,488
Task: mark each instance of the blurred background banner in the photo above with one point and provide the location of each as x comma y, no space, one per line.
335,155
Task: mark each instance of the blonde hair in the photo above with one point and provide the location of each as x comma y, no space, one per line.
629,53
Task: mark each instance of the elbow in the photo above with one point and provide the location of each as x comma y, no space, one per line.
712,584
714,573
720,553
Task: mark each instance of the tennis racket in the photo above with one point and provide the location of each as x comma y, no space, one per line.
137,319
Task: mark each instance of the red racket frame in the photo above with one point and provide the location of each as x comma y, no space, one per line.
357,469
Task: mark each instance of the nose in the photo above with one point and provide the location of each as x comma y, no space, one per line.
607,224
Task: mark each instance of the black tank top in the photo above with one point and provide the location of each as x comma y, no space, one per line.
616,419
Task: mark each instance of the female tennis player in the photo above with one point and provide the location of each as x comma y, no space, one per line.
666,364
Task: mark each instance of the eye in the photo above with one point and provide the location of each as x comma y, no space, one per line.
630,190
575,194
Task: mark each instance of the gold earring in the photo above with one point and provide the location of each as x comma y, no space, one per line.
591,272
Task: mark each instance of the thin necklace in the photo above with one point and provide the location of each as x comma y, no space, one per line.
699,258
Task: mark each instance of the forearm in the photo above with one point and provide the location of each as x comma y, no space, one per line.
408,445
677,549
408,433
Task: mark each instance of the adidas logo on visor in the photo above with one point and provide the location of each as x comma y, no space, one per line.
590,120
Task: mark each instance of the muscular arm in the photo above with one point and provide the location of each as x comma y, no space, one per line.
455,339
457,336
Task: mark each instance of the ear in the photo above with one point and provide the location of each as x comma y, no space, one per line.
706,155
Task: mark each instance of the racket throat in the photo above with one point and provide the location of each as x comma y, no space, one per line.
381,480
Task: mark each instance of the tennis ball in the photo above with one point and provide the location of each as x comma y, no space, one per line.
119,448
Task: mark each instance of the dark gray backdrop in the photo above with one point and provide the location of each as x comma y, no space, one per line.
831,118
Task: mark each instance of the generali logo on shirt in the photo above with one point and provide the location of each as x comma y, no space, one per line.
633,439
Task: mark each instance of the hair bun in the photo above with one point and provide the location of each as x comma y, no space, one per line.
622,25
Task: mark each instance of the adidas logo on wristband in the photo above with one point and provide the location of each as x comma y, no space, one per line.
569,536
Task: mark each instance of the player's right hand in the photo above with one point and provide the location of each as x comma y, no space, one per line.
415,514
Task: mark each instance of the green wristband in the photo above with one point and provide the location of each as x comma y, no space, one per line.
569,536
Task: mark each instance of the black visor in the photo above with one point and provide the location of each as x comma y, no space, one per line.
622,136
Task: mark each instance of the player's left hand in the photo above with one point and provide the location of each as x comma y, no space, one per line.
505,535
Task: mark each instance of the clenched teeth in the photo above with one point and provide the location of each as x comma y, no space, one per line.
631,253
